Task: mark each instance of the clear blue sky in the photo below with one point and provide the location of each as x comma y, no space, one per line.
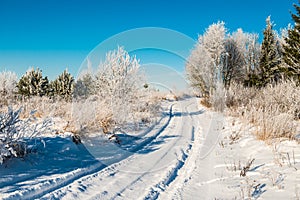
55,34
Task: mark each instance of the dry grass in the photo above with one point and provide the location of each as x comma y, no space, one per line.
274,110
205,102
91,114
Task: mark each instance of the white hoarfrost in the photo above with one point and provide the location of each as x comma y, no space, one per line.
115,96
118,82
203,64
8,82
16,135
191,153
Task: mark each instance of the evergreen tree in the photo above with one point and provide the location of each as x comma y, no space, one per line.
32,83
84,86
269,58
292,48
63,85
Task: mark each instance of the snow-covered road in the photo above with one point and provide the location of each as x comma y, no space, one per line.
149,171
165,163
189,153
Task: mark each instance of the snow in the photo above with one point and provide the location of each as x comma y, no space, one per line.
190,153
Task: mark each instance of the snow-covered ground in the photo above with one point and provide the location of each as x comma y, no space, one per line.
191,153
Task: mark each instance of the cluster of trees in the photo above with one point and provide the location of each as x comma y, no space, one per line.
110,98
118,84
117,78
114,94
33,83
219,57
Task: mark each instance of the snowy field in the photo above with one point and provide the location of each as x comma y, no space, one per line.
191,153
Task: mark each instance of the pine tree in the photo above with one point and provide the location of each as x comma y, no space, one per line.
291,54
63,85
32,83
84,86
269,58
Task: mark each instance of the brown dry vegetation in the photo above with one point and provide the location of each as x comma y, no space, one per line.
273,110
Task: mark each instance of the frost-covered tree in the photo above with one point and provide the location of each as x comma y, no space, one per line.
197,66
292,48
203,65
249,46
63,85
252,56
119,83
32,83
232,62
269,62
8,84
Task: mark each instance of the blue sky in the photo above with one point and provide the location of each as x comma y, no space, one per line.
55,34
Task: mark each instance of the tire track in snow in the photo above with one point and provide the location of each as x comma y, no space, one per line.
178,173
201,161
139,178
170,175
169,179
51,184
59,189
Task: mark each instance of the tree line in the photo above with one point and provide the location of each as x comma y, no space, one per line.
33,83
219,57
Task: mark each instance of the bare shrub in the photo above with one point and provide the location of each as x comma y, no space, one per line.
235,166
205,102
91,114
247,167
235,136
8,83
272,109
238,96
16,134
94,114
276,179
45,107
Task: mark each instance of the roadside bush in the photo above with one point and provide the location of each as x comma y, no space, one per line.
273,109
8,87
19,137
238,96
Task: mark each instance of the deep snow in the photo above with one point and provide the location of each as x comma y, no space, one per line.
191,153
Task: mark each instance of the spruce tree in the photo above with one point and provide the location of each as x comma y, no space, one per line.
269,58
291,54
32,83
63,85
